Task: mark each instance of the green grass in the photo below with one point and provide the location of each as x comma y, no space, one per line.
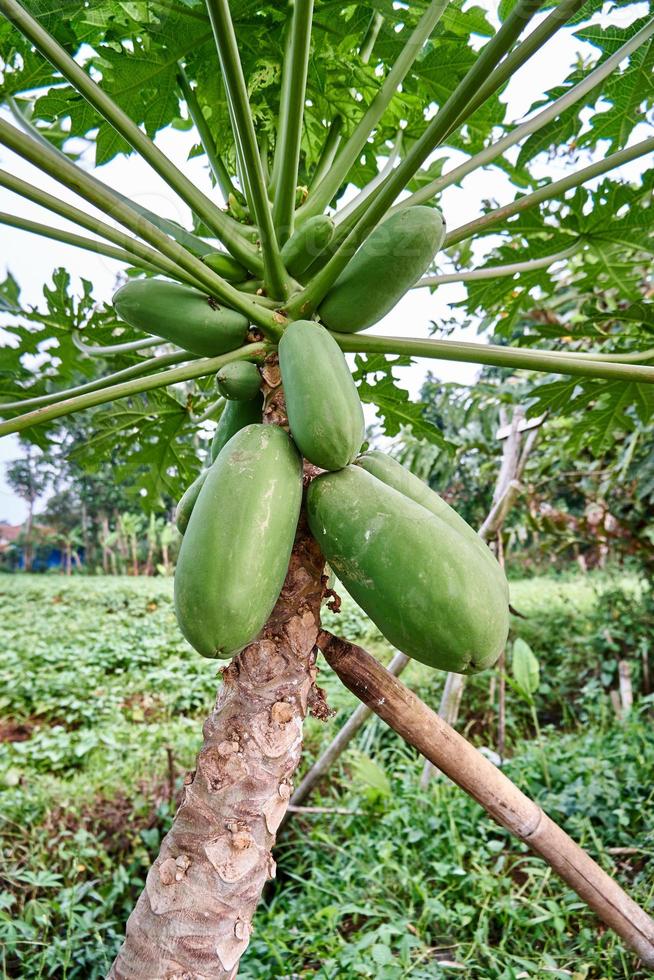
97,680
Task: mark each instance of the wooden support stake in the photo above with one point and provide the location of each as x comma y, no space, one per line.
421,727
340,742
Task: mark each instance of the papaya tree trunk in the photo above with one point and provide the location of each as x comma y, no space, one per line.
193,916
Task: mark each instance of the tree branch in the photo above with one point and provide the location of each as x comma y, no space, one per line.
490,55
516,58
498,147
549,362
150,256
193,244
328,152
101,197
323,193
89,244
207,141
103,384
496,271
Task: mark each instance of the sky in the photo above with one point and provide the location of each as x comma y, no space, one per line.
31,260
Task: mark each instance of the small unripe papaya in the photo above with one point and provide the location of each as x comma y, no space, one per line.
236,415
225,266
389,262
187,501
181,315
239,381
307,243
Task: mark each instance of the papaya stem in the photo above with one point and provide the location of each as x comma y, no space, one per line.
497,271
94,350
516,58
224,227
307,301
134,371
370,37
199,368
548,191
549,362
207,141
366,192
349,154
498,147
140,254
291,119
275,275
328,152
97,194
189,241
90,245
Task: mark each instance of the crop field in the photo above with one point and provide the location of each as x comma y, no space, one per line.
101,708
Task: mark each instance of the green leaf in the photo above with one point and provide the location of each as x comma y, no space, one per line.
525,668
395,408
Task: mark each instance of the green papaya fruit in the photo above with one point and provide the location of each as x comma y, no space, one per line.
251,286
388,263
239,381
389,471
237,545
323,406
187,501
422,583
307,243
225,266
236,415
182,315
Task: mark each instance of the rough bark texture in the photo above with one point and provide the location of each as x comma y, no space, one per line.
192,921
421,727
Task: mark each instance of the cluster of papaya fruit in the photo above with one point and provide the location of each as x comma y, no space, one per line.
411,562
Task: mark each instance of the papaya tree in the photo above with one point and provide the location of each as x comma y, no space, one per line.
308,240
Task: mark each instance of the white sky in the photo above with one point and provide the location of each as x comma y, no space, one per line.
31,259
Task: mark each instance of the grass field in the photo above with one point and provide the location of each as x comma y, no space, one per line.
101,703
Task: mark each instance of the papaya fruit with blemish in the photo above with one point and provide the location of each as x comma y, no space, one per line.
423,583
181,315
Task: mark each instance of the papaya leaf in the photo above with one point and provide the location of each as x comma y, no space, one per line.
394,407
370,775
525,668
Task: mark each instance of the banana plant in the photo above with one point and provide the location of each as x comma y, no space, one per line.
293,106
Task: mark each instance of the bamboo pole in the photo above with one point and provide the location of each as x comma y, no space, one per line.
341,741
421,727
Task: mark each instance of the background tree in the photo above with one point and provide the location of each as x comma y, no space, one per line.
29,478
